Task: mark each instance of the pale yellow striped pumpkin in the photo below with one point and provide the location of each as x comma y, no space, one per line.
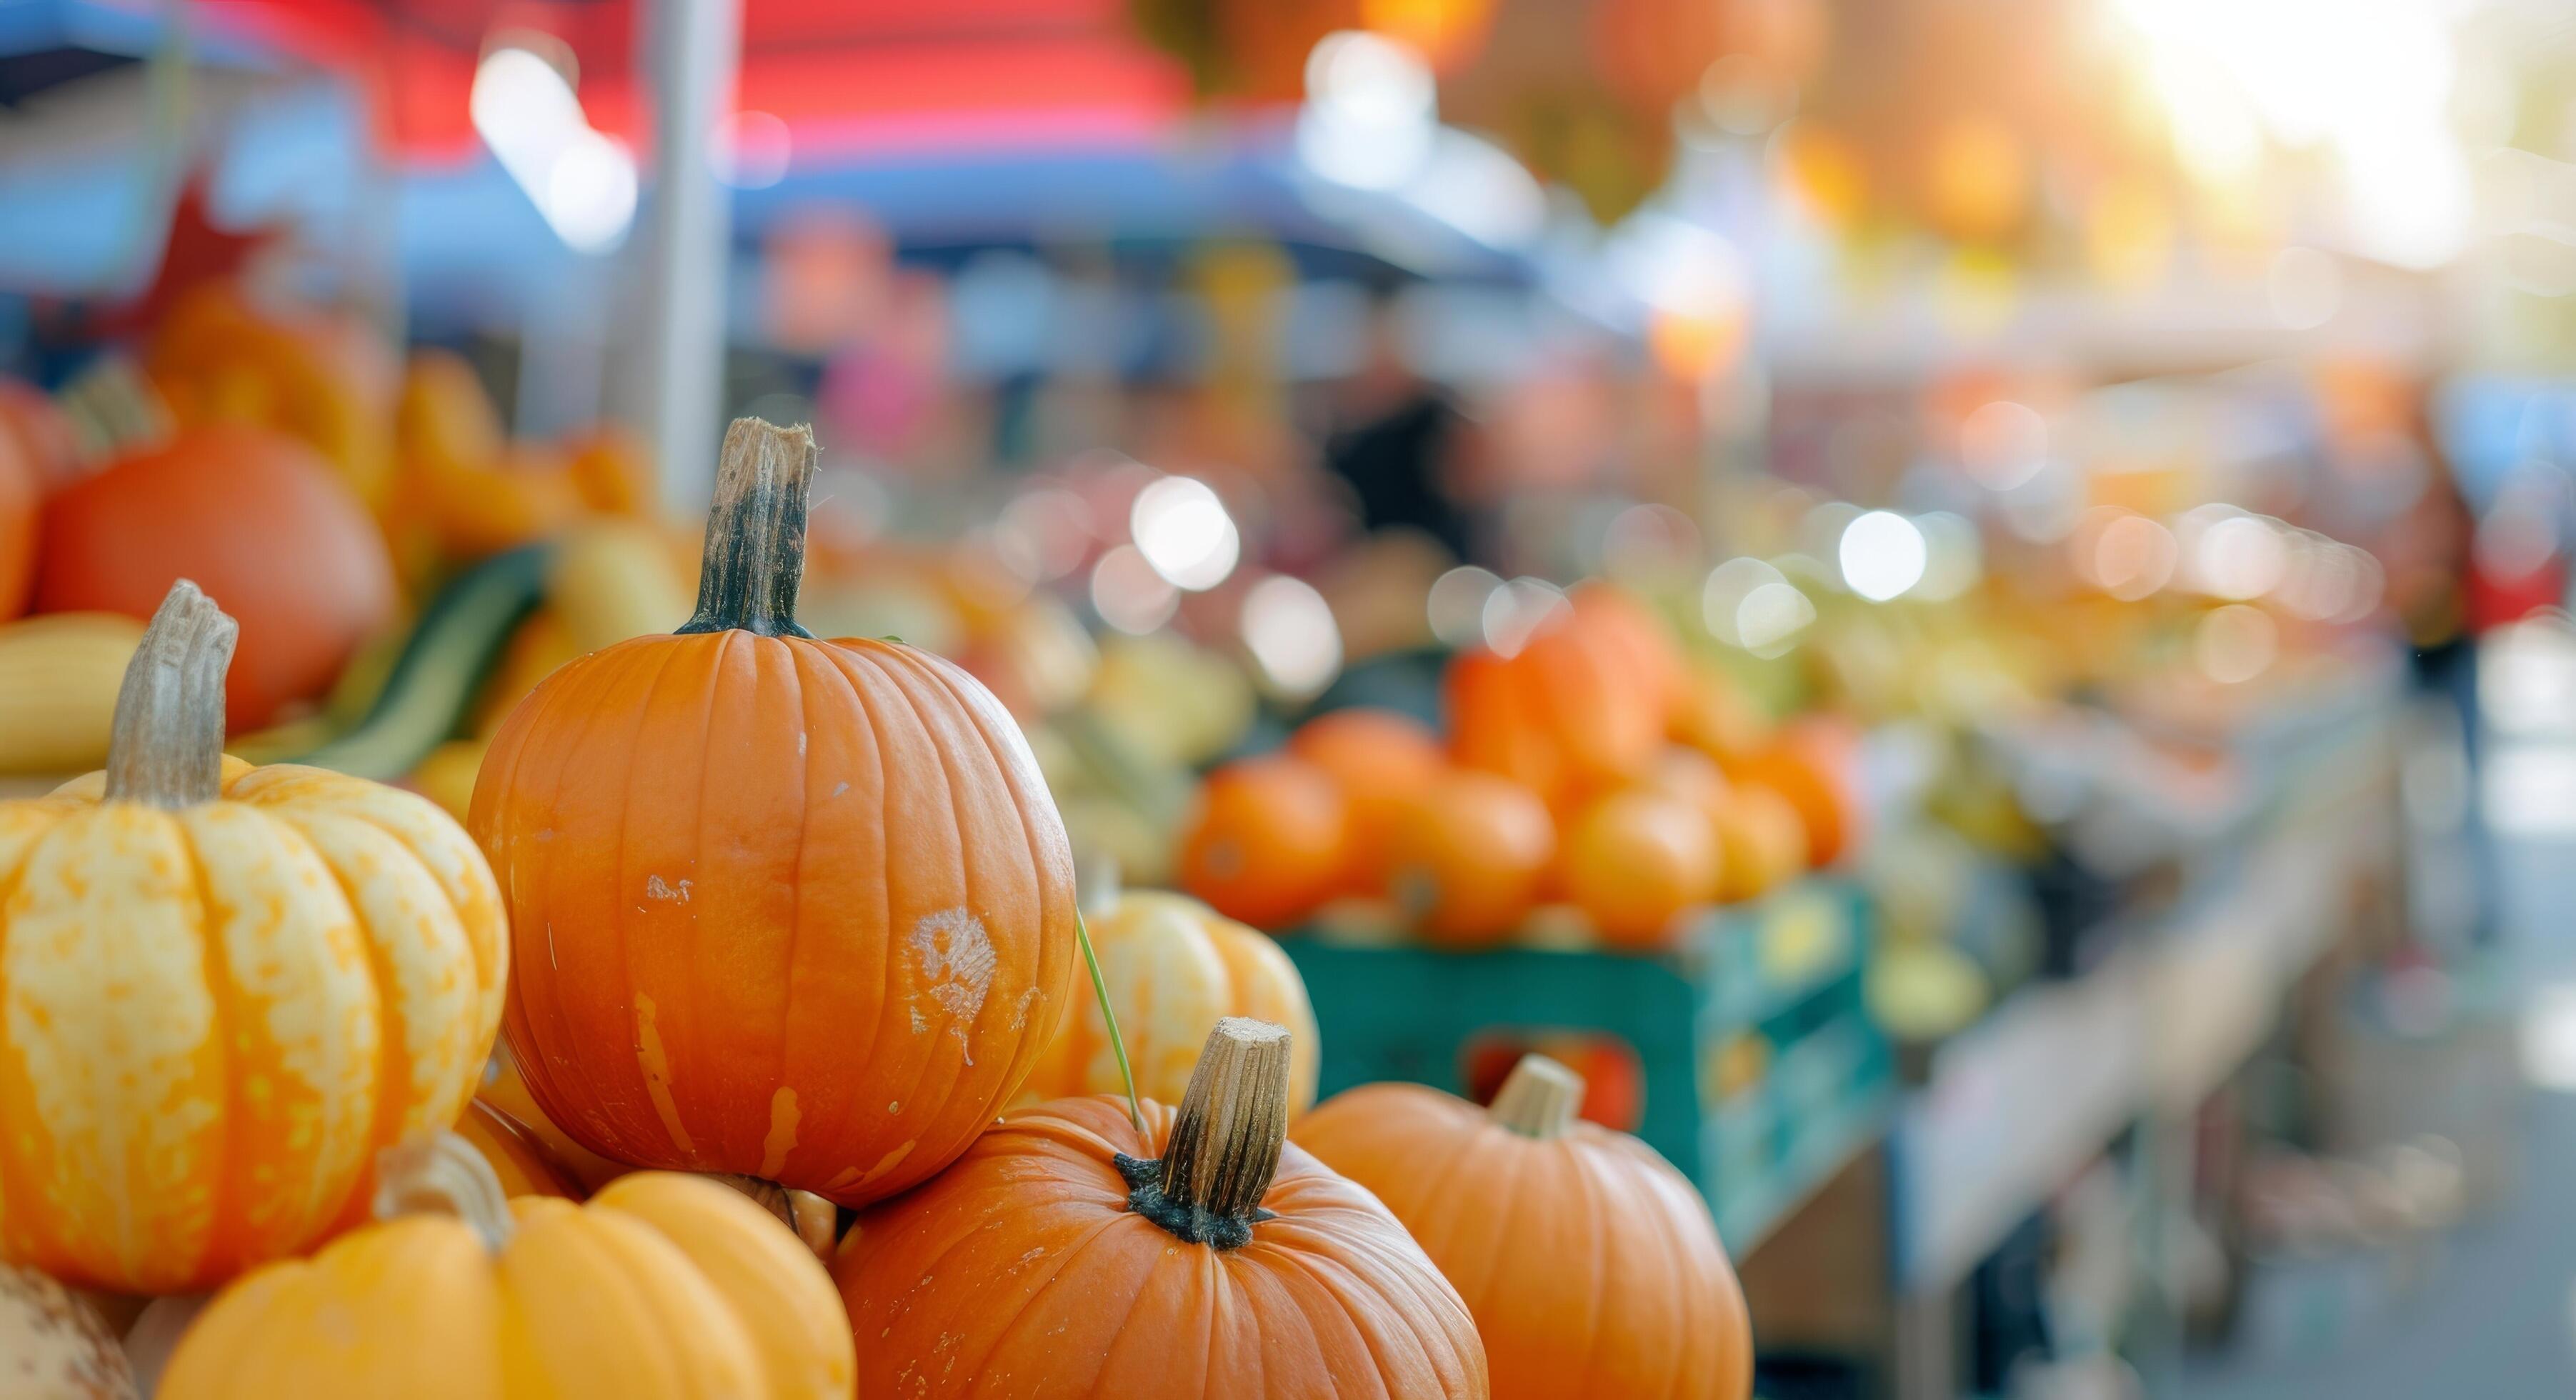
222,989
1174,968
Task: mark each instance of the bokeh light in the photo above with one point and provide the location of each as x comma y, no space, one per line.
1130,594
1183,531
1881,554
1289,630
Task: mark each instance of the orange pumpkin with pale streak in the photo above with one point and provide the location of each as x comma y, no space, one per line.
663,1287
226,987
792,909
1174,968
1592,1267
1073,1252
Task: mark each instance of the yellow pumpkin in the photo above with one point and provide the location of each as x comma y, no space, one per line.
1174,968
664,1286
225,988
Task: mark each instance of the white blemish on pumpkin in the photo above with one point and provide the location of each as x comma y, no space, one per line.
957,962
1020,1013
840,788
895,1107
782,1132
546,835
654,888
800,743
920,1022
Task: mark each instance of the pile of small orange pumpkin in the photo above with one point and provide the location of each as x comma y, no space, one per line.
1595,765
794,915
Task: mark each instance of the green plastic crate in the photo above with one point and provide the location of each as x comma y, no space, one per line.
1788,968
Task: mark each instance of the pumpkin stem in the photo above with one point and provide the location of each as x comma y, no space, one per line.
1539,1099
440,1173
813,1219
1224,1148
167,746
755,559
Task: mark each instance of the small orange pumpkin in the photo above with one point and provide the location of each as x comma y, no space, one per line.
1266,844
1074,1252
1382,761
1591,1265
1635,862
257,520
1467,860
793,909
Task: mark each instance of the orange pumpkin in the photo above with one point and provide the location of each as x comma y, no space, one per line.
1636,861
1073,1252
1566,715
1591,1265
1266,844
794,909
1382,761
20,495
1814,762
256,519
1467,861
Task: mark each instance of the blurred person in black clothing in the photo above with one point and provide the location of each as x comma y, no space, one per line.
1400,441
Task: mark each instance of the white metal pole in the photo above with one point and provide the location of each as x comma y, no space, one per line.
690,49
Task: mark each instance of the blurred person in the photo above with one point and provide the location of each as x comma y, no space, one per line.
1400,445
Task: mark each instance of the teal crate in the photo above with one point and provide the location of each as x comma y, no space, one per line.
1788,969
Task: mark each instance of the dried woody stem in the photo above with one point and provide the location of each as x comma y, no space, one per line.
755,559
167,746
1224,1148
